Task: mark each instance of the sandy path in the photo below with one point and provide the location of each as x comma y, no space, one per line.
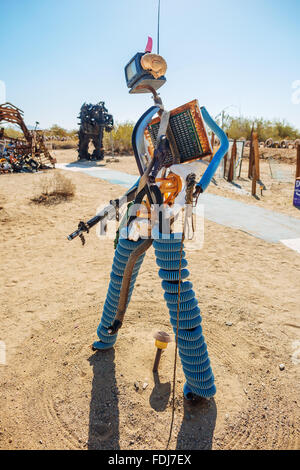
56,393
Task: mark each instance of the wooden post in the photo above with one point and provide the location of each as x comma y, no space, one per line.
232,162
255,168
251,156
298,162
212,142
225,165
256,155
254,182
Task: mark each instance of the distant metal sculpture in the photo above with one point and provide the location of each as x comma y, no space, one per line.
33,143
94,119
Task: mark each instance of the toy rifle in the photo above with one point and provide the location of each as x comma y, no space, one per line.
108,213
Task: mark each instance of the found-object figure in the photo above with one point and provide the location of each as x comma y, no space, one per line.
94,120
168,151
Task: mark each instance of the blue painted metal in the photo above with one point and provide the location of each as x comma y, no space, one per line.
191,343
123,251
213,166
137,139
297,193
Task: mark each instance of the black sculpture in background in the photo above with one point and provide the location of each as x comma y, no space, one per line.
94,119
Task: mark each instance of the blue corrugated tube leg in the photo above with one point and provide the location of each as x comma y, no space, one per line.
191,343
122,254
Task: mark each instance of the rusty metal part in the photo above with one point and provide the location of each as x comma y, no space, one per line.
119,318
157,99
189,216
189,118
190,185
34,140
157,359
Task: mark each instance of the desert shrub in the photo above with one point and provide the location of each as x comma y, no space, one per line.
60,132
13,133
66,144
53,188
4,216
275,129
121,136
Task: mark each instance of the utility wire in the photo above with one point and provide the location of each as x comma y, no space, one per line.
176,347
158,25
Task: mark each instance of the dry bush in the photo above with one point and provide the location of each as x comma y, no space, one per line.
4,217
1,201
68,144
121,138
53,189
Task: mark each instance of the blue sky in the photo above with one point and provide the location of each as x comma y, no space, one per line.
56,54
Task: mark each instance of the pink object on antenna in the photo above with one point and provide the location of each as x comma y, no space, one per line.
149,44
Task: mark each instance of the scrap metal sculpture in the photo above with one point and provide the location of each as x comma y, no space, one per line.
33,144
168,150
94,120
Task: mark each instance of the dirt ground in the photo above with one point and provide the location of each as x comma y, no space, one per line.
56,393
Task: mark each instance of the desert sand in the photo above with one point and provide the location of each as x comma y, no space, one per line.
56,393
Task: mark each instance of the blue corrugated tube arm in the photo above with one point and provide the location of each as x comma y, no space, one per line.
213,166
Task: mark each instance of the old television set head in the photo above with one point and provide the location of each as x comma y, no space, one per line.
145,69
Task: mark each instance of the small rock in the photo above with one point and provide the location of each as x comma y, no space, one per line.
136,386
228,323
234,345
40,441
65,363
282,367
131,443
145,385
